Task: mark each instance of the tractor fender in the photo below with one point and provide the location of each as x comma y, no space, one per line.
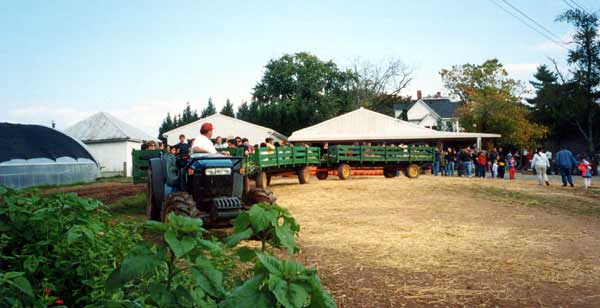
158,168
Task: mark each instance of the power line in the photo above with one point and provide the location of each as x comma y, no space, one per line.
532,20
569,4
580,6
557,42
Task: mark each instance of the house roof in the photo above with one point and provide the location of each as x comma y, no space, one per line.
444,107
364,124
225,126
104,127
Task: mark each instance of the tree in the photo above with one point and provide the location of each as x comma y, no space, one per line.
166,126
209,110
243,112
585,57
492,103
378,86
299,90
228,109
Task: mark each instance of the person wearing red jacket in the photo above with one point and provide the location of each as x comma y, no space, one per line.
481,164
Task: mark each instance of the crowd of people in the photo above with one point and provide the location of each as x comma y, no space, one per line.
472,162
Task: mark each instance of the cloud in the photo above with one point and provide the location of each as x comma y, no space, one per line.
555,47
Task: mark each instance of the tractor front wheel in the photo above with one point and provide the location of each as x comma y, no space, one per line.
304,175
261,180
181,203
413,171
344,171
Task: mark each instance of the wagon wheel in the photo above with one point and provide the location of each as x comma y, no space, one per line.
181,203
152,210
344,171
304,175
268,180
322,175
413,171
262,180
389,172
246,185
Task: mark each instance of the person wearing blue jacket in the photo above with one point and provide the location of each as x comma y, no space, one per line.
565,161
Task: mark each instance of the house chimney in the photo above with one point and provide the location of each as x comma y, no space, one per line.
419,94
439,94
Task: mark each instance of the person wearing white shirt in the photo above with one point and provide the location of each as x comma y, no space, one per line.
540,163
202,143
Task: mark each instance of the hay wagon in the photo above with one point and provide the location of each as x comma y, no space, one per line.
393,160
265,163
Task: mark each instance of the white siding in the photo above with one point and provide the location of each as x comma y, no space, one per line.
418,111
130,147
429,121
110,155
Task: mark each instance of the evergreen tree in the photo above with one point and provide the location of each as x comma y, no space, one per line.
543,77
209,110
243,112
228,109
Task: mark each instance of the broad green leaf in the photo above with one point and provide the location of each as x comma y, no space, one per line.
260,219
237,237
140,260
280,288
3,190
180,247
297,294
319,297
11,275
291,270
155,226
246,254
241,222
74,234
114,281
22,284
213,247
208,278
183,296
272,265
185,224
31,263
286,238
161,296
249,295
88,204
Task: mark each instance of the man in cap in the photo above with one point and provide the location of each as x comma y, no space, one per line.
202,143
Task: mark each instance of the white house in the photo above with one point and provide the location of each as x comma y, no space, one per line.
226,127
430,112
110,140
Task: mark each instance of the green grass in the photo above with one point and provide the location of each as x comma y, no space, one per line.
129,208
563,204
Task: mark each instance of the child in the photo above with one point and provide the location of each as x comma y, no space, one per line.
512,165
495,169
586,173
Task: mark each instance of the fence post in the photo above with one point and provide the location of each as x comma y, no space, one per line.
124,169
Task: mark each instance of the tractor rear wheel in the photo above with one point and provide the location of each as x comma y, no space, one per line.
181,203
322,175
152,209
344,171
413,171
304,175
389,172
262,180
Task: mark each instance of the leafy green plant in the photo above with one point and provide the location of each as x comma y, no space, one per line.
60,243
178,274
279,283
270,223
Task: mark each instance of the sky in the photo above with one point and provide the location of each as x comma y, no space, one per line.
63,61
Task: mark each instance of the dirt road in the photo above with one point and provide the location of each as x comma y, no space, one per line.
448,242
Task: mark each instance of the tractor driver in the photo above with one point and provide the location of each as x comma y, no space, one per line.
202,143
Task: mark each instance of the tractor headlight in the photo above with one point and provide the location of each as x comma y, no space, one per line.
217,171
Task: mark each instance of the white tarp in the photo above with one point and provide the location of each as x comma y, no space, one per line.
225,127
363,124
105,127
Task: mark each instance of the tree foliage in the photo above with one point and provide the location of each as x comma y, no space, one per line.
209,110
492,103
187,116
228,109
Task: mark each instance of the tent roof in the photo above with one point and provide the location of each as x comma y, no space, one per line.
36,141
103,127
364,124
225,126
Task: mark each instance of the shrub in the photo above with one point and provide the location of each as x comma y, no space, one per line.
62,245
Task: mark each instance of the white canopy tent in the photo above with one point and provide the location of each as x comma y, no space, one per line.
366,125
226,127
110,140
